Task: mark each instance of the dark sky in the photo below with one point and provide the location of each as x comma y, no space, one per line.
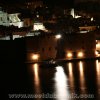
47,1
67,3
60,2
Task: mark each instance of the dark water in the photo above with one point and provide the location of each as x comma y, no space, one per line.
69,81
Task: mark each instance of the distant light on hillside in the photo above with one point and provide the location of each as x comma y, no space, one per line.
92,19
39,26
58,36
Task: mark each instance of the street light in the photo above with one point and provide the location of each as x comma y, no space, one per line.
58,36
69,55
35,56
80,54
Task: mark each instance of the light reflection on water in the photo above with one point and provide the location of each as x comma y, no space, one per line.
61,85
98,75
71,77
81,77
98,67
36,78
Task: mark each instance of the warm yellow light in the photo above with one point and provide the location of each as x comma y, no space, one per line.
35,56
39,26
36,70
98,45
58,36
69,55
96,53
80,54
92,19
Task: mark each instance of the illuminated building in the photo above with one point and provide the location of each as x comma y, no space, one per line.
14,20
10,19
44,46
38,26
69,46
4,18
77,46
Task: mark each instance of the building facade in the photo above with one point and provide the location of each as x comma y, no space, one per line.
69,46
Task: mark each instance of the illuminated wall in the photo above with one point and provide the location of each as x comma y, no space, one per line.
14,20
38,26
10,19
44,46
4,20
77,45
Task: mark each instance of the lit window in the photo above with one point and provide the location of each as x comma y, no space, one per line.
35,56
97,53
58,36
69,55
80,54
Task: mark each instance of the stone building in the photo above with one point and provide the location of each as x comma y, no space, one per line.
69,46
41,47
77,46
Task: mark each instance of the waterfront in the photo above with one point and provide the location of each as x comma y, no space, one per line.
69,81
78,80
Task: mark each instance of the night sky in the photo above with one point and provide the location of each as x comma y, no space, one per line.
59,2
46,1
62,3
65,3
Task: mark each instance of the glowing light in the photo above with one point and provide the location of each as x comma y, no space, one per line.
61,89
92,19
71,76
97,66
72,12
36,77
15,20
70,69
98,73
35,56
82,78
14,17
37,16
39,26
19,24
98,45
80,54
83,31
69,55
58,36
81,68
76,16
35,67
96,53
